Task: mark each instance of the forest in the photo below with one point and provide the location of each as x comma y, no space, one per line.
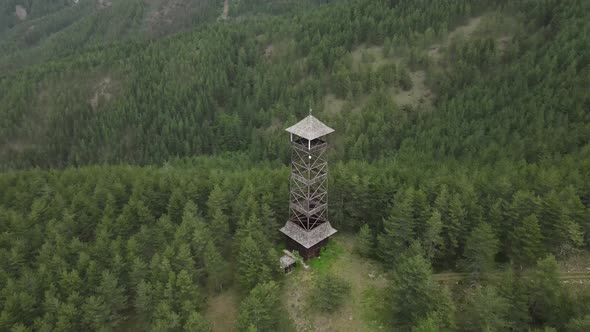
144,173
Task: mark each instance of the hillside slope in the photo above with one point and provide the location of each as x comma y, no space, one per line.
218,89
38,30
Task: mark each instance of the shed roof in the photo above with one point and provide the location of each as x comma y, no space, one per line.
308,238
286,261
310,128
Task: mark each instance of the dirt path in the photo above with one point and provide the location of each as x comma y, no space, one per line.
225,9
444,277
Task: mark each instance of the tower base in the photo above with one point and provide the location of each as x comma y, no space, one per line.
307,243
306,253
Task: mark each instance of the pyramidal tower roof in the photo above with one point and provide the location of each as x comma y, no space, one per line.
310,128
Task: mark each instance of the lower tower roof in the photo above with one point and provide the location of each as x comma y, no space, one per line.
308,238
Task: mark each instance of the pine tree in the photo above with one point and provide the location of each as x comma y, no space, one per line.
546,293
95,313
480,249
432,239
365,241
113,295
165,318
526,241
145,301
398,231
514,291
219,228
579,324
187,293
552,221
260,308
176,205
197,323
453,227
486,310
413,295
252,264
217,200
215,267
270,223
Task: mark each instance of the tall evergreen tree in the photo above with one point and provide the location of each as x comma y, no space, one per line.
413,295
252,264
526,241
486,310
480,249
364,241
398,231
260,309
546,294
432,238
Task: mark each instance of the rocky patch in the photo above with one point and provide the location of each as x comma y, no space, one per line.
20,12
101,93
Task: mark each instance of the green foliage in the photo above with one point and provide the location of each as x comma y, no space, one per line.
197,323
260,309
413,295
329,292
398,230
328,255
579,325
254,264
426,325
526,241
486,310
513,289
365,241
433,242
481,249
546,293
506,145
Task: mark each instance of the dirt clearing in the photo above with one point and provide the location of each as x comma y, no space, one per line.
363,276
222,311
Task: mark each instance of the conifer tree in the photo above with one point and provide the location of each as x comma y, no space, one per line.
545,299
526,241
365,241
215,267
486,310
114,297
432,239
260,309
176,205
453,227
217,200
513,289
197,323
398,231
413,295
219,228
252,267
480,249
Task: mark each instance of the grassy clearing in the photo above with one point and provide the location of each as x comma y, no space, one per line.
370,56
359,312
328,257
222,311
419,96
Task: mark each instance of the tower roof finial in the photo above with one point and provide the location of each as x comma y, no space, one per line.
310,110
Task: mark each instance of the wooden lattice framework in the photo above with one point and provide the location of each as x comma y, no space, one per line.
308,227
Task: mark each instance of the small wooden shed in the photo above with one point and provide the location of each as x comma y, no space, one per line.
287,263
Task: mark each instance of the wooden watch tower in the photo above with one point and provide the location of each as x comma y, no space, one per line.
308,228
